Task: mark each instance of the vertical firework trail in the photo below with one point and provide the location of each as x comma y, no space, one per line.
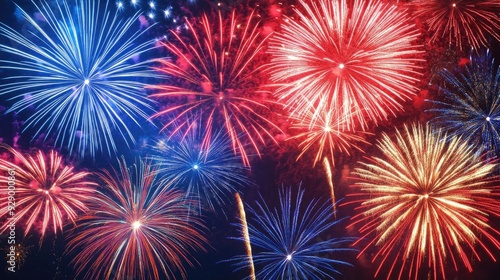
329,177
246,236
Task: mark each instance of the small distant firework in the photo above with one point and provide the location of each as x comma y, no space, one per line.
81,70
326,130
471,105
48,193
136,228
210,175
358,56
287,242
213,72
425,204
460,21
21,253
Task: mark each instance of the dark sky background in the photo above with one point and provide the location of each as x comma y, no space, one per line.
277,167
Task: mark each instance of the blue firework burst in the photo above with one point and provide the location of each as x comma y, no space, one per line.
208,172
289,242
82,70
471,104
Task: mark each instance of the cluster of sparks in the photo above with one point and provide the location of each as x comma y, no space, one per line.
89,80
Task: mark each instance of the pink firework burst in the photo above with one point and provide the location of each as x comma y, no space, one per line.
48,193
357,55
212,74
460,21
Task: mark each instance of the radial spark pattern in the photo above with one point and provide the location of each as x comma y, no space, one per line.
136,229
357,55
325,131
47,193
213,73
425,204
471,105
210,176
461,21
288,242
80,73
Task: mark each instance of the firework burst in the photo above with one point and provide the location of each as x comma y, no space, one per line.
210,175
471,106
287,242
460,21
326,130
215,71
426,203
136,228
358,57
48,193
81,72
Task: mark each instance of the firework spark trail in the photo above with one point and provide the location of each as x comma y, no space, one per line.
214,68
136,228
357,55
82,72
246,236
329,178
471,107
426,199
48,192
460,20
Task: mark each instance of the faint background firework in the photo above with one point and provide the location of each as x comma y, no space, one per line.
462,23
425,205
291,241
79,71
48,192
470,107
153,234
213,74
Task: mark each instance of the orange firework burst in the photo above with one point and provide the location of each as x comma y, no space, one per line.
357,55
426,200
47,192
213,71
137,228
470,21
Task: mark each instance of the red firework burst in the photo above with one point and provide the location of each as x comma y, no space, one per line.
47,192
357,55
212,73
460,21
